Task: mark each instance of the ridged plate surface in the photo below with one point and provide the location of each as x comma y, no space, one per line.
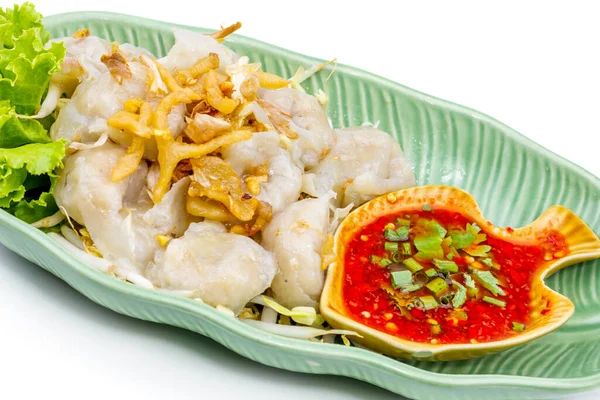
512,178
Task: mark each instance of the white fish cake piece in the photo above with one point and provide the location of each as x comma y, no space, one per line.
220,268
121,223
296,236
308,120
364,163
191,46
284,177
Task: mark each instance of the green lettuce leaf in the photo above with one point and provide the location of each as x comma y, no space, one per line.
15,131
33,210
26,70
14,21
28,158
18,164
36,158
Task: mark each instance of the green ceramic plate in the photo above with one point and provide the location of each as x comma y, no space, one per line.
512,178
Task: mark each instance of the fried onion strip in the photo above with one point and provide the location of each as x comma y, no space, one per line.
133,105
170,153
224,32
215,97
271,81
215,179
128,121
166,76
161,115
130,161
210,209
202,66
264,214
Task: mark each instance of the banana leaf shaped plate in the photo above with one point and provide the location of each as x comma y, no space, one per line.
513,180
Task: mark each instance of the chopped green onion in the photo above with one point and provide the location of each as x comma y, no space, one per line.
426,207
401,278
494,301
391,246
381,261
398,235
396,257
406,249
406,216
410,288
517,326
421,277
446,266
450,256
412,264
461,295
403,222
403,232
437,286
427,302
488,281
446,299
488,262
431,273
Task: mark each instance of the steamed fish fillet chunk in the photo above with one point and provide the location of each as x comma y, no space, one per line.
122,225
308,120
220,268
284,178
364,163
296,236
190,47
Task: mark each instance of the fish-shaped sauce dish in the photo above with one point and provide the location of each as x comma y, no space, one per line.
419,273
304,214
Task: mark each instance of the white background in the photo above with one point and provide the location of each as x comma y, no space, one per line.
532,66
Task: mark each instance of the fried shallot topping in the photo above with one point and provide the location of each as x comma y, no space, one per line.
117,65
81,33
215,179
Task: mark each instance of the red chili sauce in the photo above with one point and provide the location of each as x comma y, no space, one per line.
462,286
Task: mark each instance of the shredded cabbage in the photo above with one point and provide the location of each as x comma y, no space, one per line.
296,332
301,315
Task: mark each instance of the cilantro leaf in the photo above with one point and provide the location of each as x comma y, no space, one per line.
460,297
428,239
478,251
489,281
